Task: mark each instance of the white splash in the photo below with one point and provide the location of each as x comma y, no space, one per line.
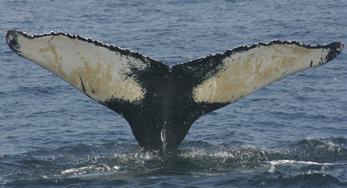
295,164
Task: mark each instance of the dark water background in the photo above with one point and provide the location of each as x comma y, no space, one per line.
290,134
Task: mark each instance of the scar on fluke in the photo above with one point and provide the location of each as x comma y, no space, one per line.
160,102
286,72
83,87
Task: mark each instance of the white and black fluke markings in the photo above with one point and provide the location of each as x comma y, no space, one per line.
161,103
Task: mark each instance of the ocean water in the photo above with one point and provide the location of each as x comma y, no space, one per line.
292,133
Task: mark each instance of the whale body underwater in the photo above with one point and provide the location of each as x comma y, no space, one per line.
161,103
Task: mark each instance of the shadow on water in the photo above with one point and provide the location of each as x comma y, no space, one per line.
307,162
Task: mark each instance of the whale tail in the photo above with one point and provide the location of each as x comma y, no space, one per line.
161,103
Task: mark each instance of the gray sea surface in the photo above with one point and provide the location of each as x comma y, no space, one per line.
292,133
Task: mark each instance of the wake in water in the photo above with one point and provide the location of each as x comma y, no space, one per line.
311,163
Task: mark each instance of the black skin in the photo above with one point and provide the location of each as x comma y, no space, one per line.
168,104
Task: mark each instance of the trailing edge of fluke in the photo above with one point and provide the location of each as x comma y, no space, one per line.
161,103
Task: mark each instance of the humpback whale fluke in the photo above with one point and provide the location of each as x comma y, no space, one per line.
161,103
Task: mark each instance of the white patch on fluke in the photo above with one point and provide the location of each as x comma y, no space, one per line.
248,71
95,70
